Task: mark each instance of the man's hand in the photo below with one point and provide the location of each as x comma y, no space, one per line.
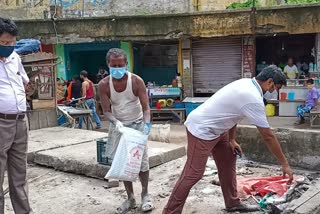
235,146
118,125
147,128
286,170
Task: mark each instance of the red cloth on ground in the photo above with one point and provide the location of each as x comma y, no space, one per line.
262,186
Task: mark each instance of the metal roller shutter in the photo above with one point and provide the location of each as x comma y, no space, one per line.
216,63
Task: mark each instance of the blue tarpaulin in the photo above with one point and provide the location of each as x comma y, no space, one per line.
27,46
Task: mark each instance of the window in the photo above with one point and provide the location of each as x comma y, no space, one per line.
160,55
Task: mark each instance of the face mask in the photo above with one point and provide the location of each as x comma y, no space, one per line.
6,51
118,73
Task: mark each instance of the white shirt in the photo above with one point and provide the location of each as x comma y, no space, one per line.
291,71
12,80
239,99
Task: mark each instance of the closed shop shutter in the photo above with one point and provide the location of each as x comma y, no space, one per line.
216,63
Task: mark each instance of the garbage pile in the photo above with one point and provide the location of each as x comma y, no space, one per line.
272,194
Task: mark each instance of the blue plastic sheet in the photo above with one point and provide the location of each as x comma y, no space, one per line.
27,46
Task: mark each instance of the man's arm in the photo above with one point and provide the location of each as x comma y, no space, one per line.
274,147
236,148
103,89
84,88
144,100
23,73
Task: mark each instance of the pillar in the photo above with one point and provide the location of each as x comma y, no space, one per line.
248,57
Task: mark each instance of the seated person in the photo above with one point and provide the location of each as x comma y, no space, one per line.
291,70
311,102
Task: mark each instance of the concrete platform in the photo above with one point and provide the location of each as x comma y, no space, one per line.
56,137
81,158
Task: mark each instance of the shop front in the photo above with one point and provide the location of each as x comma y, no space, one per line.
299,51
157,64
87,56
216,62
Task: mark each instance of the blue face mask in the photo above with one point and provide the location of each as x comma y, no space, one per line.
6,51
118,73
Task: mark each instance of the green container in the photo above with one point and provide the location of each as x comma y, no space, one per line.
102,157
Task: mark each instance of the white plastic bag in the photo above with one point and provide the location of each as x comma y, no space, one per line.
127,160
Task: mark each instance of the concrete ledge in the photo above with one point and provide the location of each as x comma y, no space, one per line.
81,158
300,146
56,137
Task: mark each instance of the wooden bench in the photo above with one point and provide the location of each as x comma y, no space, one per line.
314,115
158,114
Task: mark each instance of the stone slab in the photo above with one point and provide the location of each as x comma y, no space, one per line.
81,158
309,202
56,137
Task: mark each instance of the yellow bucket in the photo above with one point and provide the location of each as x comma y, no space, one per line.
170,102
270,110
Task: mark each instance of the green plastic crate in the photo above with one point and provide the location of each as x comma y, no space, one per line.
102,157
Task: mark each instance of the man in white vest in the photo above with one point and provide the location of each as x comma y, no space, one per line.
125,102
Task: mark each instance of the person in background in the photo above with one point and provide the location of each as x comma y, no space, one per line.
13,121
74,90
102,73
291,70
211,130
88,94
311,102
125,102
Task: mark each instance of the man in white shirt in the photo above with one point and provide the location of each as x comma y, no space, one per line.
291,70
13,120
211,130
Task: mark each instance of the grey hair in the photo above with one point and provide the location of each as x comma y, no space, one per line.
274,73
116,52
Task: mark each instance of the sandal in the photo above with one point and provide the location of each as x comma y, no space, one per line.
146,204
126,206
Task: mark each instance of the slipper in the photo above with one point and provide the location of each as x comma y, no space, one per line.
147,204
126,206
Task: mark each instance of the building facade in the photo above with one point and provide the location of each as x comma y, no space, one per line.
208,49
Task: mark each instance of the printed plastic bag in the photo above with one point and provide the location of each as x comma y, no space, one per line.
127,160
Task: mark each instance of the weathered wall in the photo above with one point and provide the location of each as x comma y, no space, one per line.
23,9
301,147
212,24
33,9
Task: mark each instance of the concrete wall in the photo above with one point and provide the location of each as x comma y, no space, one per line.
161,27
301,147
32,9
23,9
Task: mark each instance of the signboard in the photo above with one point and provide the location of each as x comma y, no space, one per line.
164,91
